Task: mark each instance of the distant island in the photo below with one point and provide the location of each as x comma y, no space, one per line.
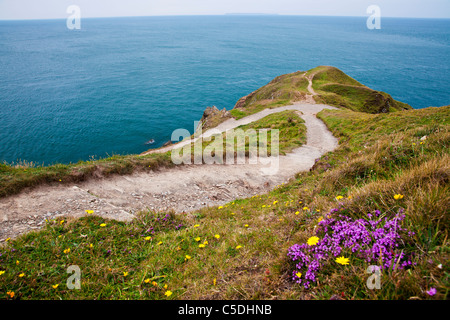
251,14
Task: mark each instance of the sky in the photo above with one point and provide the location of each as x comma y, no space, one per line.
56,9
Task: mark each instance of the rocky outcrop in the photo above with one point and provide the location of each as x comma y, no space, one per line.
212,116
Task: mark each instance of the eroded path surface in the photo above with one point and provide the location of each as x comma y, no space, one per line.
183,188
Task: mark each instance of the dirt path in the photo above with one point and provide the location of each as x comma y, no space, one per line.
183,188
310,88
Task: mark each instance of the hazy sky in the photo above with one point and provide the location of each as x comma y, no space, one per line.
54,9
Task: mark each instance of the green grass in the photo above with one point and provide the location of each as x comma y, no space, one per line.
259,106
281,91
15,178
332,85
378,156
338,89
292,134
291,126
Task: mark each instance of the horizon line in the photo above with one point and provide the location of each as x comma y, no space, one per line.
222,14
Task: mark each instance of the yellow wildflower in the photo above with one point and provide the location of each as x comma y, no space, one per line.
17,261
165,286
205,242
214,281
103,225
305,208
339,197
154,283
125,273
147,280
246,225
168,293
91,245
67,250
320,219
313,241
55,286
398,196
238,247
7,239
148,238
22,275
187,257
297,213
61,222
299,274
275,202
89,211
221,207
197,239
201,245
217,236
196,226
159,243
342,260
2,272
10,294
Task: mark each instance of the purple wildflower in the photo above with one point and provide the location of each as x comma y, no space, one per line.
373,239
431,292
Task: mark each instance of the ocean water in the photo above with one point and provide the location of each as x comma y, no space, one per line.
69,95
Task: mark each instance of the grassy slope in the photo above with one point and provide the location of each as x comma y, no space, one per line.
14,179
332,86
379,156
292,134
338,89
281,91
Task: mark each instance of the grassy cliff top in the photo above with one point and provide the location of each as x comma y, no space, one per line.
332,86
336,88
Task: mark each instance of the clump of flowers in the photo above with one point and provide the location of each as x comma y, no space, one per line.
376,238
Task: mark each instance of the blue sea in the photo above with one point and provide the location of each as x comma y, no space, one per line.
70,95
